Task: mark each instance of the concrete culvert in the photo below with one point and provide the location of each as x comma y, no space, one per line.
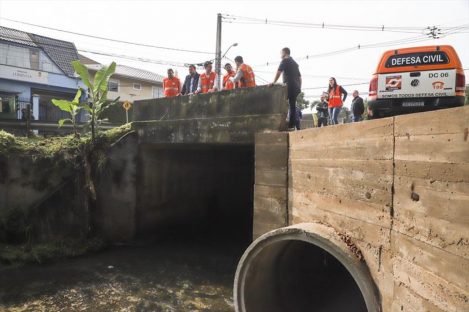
306,267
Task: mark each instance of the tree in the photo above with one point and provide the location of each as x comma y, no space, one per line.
301,102
97,93
71,107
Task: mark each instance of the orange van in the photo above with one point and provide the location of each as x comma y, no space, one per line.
416,79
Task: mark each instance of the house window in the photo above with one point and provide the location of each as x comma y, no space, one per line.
34,59
156,92
113,86
137,86
30,58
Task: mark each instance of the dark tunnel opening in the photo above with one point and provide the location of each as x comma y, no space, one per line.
294,275
196,192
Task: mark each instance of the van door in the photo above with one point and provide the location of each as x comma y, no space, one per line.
417,84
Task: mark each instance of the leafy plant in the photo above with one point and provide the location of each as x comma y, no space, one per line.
97,93
301,102
71,107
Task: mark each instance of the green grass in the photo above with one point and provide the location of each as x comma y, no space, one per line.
49,147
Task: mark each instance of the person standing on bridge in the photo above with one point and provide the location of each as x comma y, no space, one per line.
323,113
227,83
171,85
207,80
292,78
337,96
191,82
244,77
358,107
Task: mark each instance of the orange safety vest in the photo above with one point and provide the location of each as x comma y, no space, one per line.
335,97
171,86
207,82
248,79
227,84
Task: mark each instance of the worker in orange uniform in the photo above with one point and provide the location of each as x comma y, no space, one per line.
337,96
207,80
244,75
171,85
227,83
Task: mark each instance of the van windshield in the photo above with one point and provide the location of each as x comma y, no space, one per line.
417,59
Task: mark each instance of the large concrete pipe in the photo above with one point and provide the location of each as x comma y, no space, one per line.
305,267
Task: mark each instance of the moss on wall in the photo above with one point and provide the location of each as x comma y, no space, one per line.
44,193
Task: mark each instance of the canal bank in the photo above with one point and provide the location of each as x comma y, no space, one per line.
138,277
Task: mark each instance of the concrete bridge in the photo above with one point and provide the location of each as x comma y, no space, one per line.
189,167
368,216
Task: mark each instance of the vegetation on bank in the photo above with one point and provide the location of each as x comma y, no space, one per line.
77,159
51,146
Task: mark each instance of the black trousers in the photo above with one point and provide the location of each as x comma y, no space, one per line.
322,121
292,102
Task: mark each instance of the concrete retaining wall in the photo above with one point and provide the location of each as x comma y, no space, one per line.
231,117
40,199
396,189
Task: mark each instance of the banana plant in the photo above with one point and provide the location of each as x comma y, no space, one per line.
71,107
97,93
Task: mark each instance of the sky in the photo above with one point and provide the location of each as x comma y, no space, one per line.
191,25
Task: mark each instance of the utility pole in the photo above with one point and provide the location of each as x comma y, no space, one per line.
218,53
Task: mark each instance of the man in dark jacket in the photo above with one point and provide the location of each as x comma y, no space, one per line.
292,78
358,107
323,112
191,82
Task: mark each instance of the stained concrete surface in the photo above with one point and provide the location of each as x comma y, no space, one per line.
395,189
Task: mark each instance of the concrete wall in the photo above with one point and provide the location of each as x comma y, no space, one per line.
41,199
46,196
196,160
117,191
271,182
397,191
221,117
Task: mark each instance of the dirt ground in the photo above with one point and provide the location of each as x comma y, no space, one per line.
156,277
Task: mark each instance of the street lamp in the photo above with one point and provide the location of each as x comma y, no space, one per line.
233,45
218,64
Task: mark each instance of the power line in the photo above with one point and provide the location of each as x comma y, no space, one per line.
314,76
361,47
107,39
134,58
121,56
249,20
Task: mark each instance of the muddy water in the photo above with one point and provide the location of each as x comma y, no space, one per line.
156,277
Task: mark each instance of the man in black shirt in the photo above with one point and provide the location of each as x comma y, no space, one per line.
358,107
292,78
